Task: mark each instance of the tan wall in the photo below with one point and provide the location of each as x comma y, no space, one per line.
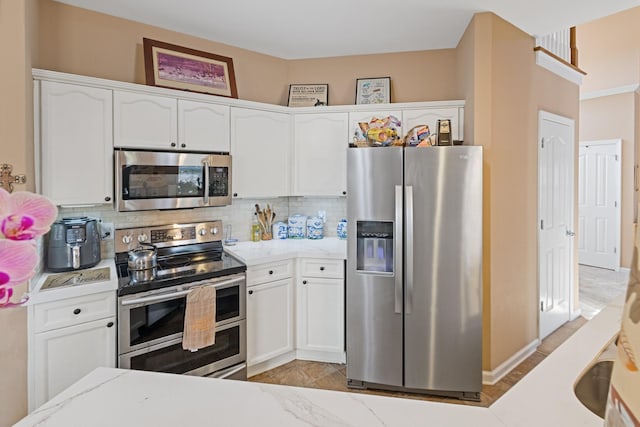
80,41
609,51
619,113
16,138
504,94
415,76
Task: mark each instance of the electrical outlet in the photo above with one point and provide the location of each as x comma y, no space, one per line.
106,230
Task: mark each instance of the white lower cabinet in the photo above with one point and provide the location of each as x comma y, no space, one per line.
270,316
60,356
320,310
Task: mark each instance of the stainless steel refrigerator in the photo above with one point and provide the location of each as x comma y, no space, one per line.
414,269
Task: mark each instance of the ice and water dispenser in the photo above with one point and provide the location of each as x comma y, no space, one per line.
374,246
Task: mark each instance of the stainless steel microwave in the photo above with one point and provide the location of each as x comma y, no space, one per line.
147,180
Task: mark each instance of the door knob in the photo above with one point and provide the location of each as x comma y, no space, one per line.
570,233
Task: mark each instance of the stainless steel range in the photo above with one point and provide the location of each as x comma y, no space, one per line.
151,302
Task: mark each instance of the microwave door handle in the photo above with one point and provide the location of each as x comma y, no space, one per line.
206,182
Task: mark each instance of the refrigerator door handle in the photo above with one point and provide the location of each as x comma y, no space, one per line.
409,252
398,250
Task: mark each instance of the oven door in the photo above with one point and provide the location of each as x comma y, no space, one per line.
157,316
224,359
171,180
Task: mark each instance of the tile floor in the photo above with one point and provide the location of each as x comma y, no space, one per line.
331,376
597,288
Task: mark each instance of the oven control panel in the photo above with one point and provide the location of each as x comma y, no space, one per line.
126,239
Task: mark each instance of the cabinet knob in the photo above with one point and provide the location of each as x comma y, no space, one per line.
107,199
173,144
321,268
250,292
304,282
270,271
109,325
183,145
235,194
77,311
344,193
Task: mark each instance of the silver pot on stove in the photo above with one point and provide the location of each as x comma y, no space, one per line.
143,263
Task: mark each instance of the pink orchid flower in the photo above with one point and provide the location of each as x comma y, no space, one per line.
24,215
17,265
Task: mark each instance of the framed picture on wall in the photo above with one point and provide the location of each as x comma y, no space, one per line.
176,67
375,90
308,95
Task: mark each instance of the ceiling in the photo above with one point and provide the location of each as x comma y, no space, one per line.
296,29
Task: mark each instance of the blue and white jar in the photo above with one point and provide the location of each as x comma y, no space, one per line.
315,228
296,226
279,230
342,229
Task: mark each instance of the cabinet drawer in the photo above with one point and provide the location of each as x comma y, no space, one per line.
269,272
74,311
320,267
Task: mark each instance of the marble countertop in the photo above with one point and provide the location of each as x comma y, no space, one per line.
38,295
108,397
255,253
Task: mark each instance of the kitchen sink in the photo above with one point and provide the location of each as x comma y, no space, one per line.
592,386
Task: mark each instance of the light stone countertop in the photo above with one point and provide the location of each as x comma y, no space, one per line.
265,251
38,295
110,397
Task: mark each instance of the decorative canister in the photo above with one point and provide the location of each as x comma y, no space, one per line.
296,226
342,229
279,230
315,228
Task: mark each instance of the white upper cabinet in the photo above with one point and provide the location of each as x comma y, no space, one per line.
430,117
145,121
320,154
203,126
260,149
75,144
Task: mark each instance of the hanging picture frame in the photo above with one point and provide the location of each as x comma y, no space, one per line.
176,67
373,90
308,95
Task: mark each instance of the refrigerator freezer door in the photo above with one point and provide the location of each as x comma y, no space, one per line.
443,296
374,289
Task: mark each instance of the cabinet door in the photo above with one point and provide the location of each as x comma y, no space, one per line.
320,320
144,121
260,149
202,126
63,356
269,320
76,144
320,154
430,117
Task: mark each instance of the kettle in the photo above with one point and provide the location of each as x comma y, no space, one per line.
73,243
142,263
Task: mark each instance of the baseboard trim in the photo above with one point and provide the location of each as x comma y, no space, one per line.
575,314
270,364
322,356
492,377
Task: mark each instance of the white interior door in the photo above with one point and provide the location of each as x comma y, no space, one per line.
555,214
599,203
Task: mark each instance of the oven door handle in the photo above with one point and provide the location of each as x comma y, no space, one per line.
176,294
206,182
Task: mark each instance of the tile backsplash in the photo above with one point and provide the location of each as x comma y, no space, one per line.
238,215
